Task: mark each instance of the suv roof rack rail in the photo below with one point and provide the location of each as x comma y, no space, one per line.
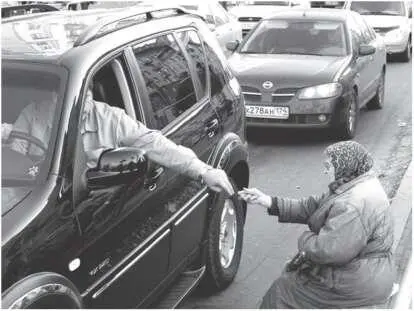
113,24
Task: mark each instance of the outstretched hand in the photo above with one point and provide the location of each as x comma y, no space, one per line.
217,180
255,196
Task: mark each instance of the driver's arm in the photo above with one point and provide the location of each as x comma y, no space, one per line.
22,124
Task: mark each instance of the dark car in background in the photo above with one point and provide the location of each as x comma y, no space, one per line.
310,69
127,232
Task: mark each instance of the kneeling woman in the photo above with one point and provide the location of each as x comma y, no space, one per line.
345,260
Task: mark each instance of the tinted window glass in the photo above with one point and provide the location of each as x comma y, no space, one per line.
378,7
194,48
217,74
324,38
167,77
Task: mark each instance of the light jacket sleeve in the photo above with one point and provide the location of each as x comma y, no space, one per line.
159,148
297,210
340,240
23,124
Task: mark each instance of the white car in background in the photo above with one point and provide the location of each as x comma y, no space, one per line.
251,12
391,20
221,23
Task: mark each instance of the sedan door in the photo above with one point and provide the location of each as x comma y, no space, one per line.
363,64
377,60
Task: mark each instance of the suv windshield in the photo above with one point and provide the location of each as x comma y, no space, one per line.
324,38
30,108
378,7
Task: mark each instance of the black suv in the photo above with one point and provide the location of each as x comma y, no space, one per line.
126,233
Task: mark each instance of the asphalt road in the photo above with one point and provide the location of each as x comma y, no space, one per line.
289,163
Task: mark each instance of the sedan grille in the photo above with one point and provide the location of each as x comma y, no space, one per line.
249,19
279,96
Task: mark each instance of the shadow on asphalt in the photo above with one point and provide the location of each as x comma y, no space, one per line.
277,136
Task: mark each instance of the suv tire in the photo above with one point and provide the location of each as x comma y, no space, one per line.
348,117
225,237
44,290
377,102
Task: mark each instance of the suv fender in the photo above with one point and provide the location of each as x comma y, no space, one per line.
229,151
42,290
231,155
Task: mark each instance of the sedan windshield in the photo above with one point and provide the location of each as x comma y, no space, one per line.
324,38
30,98
378,7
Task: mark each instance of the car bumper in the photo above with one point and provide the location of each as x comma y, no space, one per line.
396,48
302,114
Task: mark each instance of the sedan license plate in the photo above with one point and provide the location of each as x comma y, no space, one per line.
267,112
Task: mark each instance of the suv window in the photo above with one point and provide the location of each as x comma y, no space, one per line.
167,78
194,48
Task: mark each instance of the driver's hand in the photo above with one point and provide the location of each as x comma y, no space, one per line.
217,180
6,128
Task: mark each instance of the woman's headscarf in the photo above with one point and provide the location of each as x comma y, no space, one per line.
350,160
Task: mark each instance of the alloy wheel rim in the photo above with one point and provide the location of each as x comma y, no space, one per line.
228,234
351,115
381,91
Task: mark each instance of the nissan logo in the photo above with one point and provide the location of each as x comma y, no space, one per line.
267,85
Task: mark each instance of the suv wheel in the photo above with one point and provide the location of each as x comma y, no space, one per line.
44,290
225,242
349,117
378,101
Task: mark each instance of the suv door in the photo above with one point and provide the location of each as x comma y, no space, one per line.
125,244
172,71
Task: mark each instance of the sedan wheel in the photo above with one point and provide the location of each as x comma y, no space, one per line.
406,55
377,102
349,117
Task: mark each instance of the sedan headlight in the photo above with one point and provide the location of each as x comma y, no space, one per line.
321,91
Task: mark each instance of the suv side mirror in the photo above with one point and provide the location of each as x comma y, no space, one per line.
366,49
232,45
116,167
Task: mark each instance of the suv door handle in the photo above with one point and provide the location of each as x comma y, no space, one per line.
212,127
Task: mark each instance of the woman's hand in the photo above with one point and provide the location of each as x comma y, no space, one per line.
255,196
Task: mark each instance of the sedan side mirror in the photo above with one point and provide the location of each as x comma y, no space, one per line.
116,167
232,45
366,49
210,22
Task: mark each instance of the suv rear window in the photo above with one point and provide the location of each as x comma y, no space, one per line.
167,77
